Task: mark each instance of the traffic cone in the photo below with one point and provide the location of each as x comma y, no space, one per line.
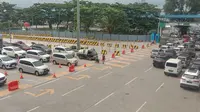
5,73
54,75
21,76
85,65
60,66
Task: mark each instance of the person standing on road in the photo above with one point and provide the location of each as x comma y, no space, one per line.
103,58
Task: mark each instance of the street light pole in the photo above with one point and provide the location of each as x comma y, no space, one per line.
78,25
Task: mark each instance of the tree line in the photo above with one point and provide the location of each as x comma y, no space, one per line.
117,18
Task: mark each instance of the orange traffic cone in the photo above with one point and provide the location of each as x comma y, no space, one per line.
21,76
54,75
85,65
60,66
5,73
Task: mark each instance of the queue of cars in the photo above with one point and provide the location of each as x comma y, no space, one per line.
178,58
31,59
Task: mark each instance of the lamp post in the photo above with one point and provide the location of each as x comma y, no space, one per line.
8,26
78,25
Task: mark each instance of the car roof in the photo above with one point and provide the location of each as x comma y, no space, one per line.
11,47
28,59
1,56
177,48
171,60
60,53
35,51
61,47
155,49
164,46
193,72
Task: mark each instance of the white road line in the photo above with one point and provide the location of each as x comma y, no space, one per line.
73,90
103,99
148,69
159,87
131,81
33,109
5,98
105,75
46,83
30,80
141,106
82,70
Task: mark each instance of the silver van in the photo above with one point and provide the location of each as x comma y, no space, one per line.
37,54
64,58
7,62
30,65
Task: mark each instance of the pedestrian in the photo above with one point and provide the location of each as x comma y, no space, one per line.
103,58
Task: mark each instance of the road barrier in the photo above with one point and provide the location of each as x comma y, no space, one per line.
116,45
13,85
102,44
103,52
124,46
109,44
123,52
132,50
117,53
113,55
71,68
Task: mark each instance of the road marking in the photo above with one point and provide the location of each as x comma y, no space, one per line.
131,81
46,83
105,75
33,109
42,92
141,106
114,65
82,70
103,99
5,98
73,90
159,87
148,69
30,80
79,77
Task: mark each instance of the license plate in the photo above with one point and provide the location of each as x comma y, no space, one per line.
189,82
170,70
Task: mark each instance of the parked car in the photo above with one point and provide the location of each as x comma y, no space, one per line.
41,47
14,52
7,62
164,47
177,50
89,54
22,46
34,66
171,53
3,79
62,49
64,58
191,51
191,79
197,46
5,44
154,52
159,60
37,54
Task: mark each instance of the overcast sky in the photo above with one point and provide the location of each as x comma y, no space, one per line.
27,3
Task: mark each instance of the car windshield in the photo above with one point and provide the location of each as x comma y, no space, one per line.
182,58
154,50
171,64
67,49
37,63
69,56
6,59
17,49
189,76
41,53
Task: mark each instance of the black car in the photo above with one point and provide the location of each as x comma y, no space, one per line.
89,54
41,47
195,66
171,53
159,61
190,54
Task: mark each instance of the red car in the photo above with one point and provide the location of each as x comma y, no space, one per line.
21,45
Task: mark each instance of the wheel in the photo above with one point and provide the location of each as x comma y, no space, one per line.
4,67
41,60
4,53
37,73
181,86
166,74
54,62
21,70
69,64
154,65
16,56
76,64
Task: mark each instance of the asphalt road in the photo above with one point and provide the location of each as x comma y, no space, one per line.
126,84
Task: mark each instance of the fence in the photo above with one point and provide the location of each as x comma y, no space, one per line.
94,35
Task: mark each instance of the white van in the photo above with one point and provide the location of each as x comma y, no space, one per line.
173,67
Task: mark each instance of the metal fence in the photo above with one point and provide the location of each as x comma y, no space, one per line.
93,35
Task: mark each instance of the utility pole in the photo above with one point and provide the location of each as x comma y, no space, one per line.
78,25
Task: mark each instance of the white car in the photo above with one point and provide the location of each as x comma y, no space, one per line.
178,50
164,47
154,52
170,45
37,54
190,78
62,49
13,52
3,79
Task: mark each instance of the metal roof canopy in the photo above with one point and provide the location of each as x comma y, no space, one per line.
179,16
